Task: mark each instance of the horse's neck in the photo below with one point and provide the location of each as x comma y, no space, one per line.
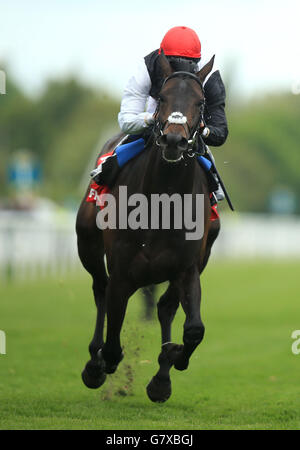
162,177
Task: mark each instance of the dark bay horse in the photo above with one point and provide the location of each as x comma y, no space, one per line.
141,257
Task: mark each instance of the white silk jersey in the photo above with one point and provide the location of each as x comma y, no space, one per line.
137,106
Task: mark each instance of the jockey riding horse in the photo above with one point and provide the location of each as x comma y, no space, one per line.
182,48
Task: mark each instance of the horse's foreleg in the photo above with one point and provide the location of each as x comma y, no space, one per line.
117,295
159,388
213,232
90,249
93,374
193,326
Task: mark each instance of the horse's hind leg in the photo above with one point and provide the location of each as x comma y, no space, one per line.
91,253
149,300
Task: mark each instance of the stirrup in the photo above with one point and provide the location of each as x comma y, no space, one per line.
219,193
213,199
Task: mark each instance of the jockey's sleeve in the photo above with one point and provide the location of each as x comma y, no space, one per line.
214,115
133,118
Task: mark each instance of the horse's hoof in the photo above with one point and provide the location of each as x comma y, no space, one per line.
159,390
174,353
181,364
110,367
93,376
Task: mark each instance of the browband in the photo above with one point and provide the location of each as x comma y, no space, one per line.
184,75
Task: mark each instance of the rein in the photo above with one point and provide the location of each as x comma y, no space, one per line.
178,118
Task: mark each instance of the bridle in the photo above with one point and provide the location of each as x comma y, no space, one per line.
191,132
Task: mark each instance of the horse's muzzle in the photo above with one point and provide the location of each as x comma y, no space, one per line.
173,146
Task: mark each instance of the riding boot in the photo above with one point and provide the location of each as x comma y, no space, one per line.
107,171
219,193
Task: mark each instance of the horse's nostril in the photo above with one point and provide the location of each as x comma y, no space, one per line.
162,140
172,140
183,144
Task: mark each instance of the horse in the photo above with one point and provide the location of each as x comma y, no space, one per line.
141,257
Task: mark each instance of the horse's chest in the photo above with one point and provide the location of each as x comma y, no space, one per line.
153,263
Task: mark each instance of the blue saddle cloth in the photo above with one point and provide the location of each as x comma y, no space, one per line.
126,152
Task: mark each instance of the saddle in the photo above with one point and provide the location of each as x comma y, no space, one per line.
126,150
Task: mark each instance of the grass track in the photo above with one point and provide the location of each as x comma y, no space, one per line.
243,375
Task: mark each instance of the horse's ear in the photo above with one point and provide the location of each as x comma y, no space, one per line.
165,65
202,74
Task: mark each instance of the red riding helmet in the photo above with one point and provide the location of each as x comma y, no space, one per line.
181,41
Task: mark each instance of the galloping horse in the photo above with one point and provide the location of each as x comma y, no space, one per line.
140,257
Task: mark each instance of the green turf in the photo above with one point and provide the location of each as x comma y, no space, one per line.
242,376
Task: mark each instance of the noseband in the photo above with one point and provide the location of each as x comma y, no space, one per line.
178,118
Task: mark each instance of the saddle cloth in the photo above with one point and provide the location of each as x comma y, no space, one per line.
96,191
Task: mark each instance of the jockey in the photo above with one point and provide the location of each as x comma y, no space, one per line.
182,48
